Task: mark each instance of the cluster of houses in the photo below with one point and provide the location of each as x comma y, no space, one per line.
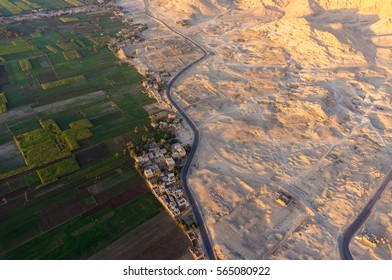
157,165
167,121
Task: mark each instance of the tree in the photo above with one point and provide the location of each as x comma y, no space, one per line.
193,226
181,223
187,148
177,171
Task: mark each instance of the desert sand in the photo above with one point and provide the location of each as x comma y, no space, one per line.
295,96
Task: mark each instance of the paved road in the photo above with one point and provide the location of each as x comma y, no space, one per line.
185,170
344,241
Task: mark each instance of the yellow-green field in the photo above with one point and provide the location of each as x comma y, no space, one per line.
3,103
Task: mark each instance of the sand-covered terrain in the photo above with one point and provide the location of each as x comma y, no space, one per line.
378,225
295,96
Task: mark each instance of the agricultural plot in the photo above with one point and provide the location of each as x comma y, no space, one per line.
50,64
5,134
53,172
10,157
42,146
24,126
16,7
9,8
15,46
25,64
71,188
63,82
74,3
142,243
45,145
79,130
3,103
67,45
71,55
68,19
81,237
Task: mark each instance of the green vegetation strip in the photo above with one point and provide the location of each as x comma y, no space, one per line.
69,19
63,82
3,103
54,172
74,2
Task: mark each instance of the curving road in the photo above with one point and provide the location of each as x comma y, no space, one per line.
344,241
185,170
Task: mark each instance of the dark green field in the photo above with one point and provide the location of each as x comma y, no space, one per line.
83,236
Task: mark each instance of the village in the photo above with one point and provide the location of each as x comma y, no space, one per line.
161,169
160,164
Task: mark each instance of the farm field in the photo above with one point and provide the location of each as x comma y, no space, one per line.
16,7
141,243
68,109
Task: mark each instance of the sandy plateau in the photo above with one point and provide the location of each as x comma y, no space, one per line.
295,96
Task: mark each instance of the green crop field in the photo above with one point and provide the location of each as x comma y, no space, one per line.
49,143
15,46
51,173
82,237
10,8
71,55
67,45
63,82
78,131
69,19
71,188
3,103
41,146
74,3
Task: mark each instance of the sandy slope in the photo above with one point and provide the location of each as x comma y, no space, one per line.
296,96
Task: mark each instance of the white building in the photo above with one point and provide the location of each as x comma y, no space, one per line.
148,173
143,159
170,163
179,149
171,177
